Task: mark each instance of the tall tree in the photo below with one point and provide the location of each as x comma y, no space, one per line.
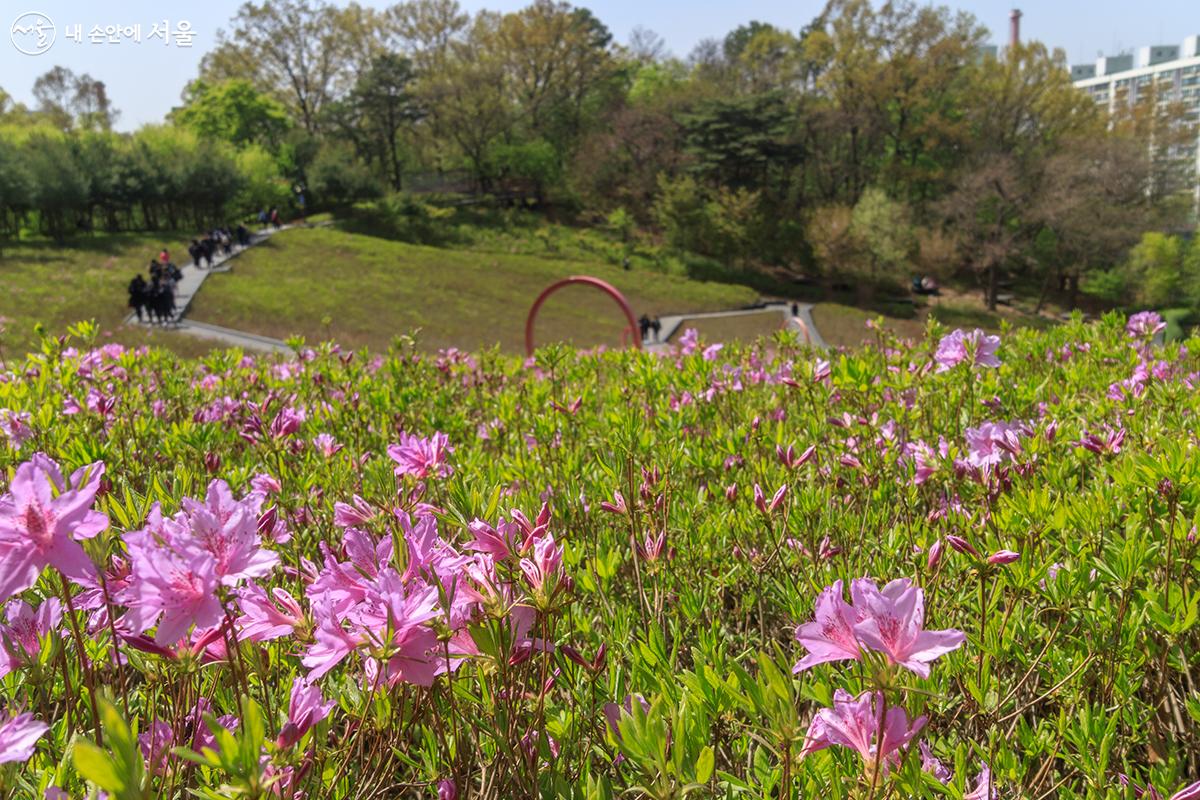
234,111
302,50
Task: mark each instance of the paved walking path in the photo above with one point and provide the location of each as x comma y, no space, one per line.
193,278
801,323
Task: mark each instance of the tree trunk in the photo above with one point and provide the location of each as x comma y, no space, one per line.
1045,291
990,296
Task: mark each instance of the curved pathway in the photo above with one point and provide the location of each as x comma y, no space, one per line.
194,277
801,323
189,285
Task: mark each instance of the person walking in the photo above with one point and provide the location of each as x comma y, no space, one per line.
644,326
195,251
275,223
137,294
164,257
656,326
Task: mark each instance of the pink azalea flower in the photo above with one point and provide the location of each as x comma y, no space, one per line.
934,765
357,512
326,445
266,617
830,636
21,638
976,348
992,443
228,529
689,342
856,723
422,457
156,744
893,623
18,738
1145,324
175,586
1002,557
306,708
41,518
983,786
15,426
332,643
498,543
446,790
542,570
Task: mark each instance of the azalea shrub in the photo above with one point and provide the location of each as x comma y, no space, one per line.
964,567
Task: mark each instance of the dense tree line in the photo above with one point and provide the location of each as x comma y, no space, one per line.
876,142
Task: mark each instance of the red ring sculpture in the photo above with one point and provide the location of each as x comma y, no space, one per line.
585,280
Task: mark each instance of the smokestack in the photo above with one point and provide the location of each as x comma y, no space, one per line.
1014,39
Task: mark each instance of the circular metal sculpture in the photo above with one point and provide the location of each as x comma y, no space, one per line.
585,280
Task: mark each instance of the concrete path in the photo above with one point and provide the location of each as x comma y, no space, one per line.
801,323
185,291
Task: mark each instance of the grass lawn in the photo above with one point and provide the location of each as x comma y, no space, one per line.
846,326
358,290
85,279
746,327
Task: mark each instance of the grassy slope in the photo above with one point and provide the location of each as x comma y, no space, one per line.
361,290
725,329
846,326
85,279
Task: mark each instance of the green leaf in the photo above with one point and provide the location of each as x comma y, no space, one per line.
98,767
705,763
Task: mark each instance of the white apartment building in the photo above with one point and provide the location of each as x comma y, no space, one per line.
1171,71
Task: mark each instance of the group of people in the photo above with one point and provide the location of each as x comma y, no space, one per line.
155,301
648,325
217,241
270,217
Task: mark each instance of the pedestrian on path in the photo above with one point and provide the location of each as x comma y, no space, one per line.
137,294
656,326
644,326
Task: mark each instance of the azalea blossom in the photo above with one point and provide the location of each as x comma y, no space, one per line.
41,520
266,617
830,636
889,620
306,708
15,426
18,737
422,457
893,623
172,585
976,348
983,786
856,722
21,638
326,445
1145,324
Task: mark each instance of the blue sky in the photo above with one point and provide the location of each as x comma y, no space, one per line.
145,79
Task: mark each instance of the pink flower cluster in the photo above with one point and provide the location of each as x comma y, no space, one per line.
178,564
889,621
975,348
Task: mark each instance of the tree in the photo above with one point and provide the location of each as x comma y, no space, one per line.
16,189
386,107
233,111
884,229
743,142
302,50
1154,271
68,99
337,178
